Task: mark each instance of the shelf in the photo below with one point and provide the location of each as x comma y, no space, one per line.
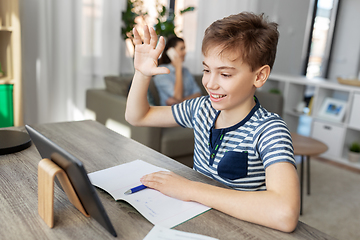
10,54
327,121
294,113
6,29
344,161
338,135
6,80
354,128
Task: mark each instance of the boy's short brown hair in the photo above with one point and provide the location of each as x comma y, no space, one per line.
251,36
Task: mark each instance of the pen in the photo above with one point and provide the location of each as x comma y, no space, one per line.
135,189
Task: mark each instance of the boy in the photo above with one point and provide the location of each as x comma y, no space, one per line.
237,142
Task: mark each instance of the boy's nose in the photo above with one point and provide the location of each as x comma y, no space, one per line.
211,82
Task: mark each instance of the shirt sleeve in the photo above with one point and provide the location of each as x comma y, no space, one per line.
185,111
275,143
164,86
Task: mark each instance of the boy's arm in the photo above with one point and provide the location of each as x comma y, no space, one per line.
138,111
278,207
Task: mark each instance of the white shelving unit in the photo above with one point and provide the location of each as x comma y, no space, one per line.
338,135
10,54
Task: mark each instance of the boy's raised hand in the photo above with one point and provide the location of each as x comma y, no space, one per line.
148,52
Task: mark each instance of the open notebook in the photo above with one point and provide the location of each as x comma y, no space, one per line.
158,208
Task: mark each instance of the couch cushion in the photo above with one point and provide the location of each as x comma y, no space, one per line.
121,85
271,101
177,141
118,85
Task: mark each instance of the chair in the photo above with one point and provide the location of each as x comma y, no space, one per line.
306,147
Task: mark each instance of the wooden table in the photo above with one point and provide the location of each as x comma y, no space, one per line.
98,148
306,147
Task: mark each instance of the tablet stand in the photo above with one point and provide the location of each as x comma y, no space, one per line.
47,170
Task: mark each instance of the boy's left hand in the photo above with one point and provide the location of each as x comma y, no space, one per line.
169,184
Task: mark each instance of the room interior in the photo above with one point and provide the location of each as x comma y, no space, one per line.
66,48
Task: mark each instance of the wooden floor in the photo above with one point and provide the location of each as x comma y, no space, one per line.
338,164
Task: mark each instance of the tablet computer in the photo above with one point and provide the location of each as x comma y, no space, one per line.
77,176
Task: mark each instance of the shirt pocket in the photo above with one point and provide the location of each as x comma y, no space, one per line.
233,165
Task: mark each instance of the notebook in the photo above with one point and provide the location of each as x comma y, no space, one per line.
156,207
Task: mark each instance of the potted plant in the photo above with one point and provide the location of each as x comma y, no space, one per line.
165,25
134,9
354,152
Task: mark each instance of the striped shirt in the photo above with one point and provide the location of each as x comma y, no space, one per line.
236,156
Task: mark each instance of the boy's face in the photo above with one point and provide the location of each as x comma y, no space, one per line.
229,83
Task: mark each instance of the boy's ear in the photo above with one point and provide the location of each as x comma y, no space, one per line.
262,75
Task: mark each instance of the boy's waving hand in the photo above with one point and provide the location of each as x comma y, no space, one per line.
148,52
138,110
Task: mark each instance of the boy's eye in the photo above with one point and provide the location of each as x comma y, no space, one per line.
225,75
206,71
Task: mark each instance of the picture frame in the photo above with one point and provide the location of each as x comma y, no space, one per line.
333,109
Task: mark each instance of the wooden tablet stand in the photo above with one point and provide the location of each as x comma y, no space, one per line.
47,170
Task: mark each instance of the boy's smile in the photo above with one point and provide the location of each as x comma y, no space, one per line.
216,97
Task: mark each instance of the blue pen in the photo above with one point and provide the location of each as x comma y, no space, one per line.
135,189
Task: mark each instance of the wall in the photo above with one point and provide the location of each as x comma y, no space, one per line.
207,11
292,18
346,49
29,12
67,47
290,14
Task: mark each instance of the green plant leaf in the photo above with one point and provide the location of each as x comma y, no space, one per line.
275,91
129,15
355,147
165,25
162,13
188,9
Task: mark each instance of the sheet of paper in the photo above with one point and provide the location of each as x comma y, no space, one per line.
153,205
159,232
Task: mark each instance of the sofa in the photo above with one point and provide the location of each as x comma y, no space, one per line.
107,106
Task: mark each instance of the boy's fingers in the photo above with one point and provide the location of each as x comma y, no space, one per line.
137,38
161,45
156,176
161,70
153,38
146,35
149,180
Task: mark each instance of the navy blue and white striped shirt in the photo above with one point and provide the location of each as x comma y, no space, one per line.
236,156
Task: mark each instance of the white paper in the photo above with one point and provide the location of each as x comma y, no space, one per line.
159,232
153,205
